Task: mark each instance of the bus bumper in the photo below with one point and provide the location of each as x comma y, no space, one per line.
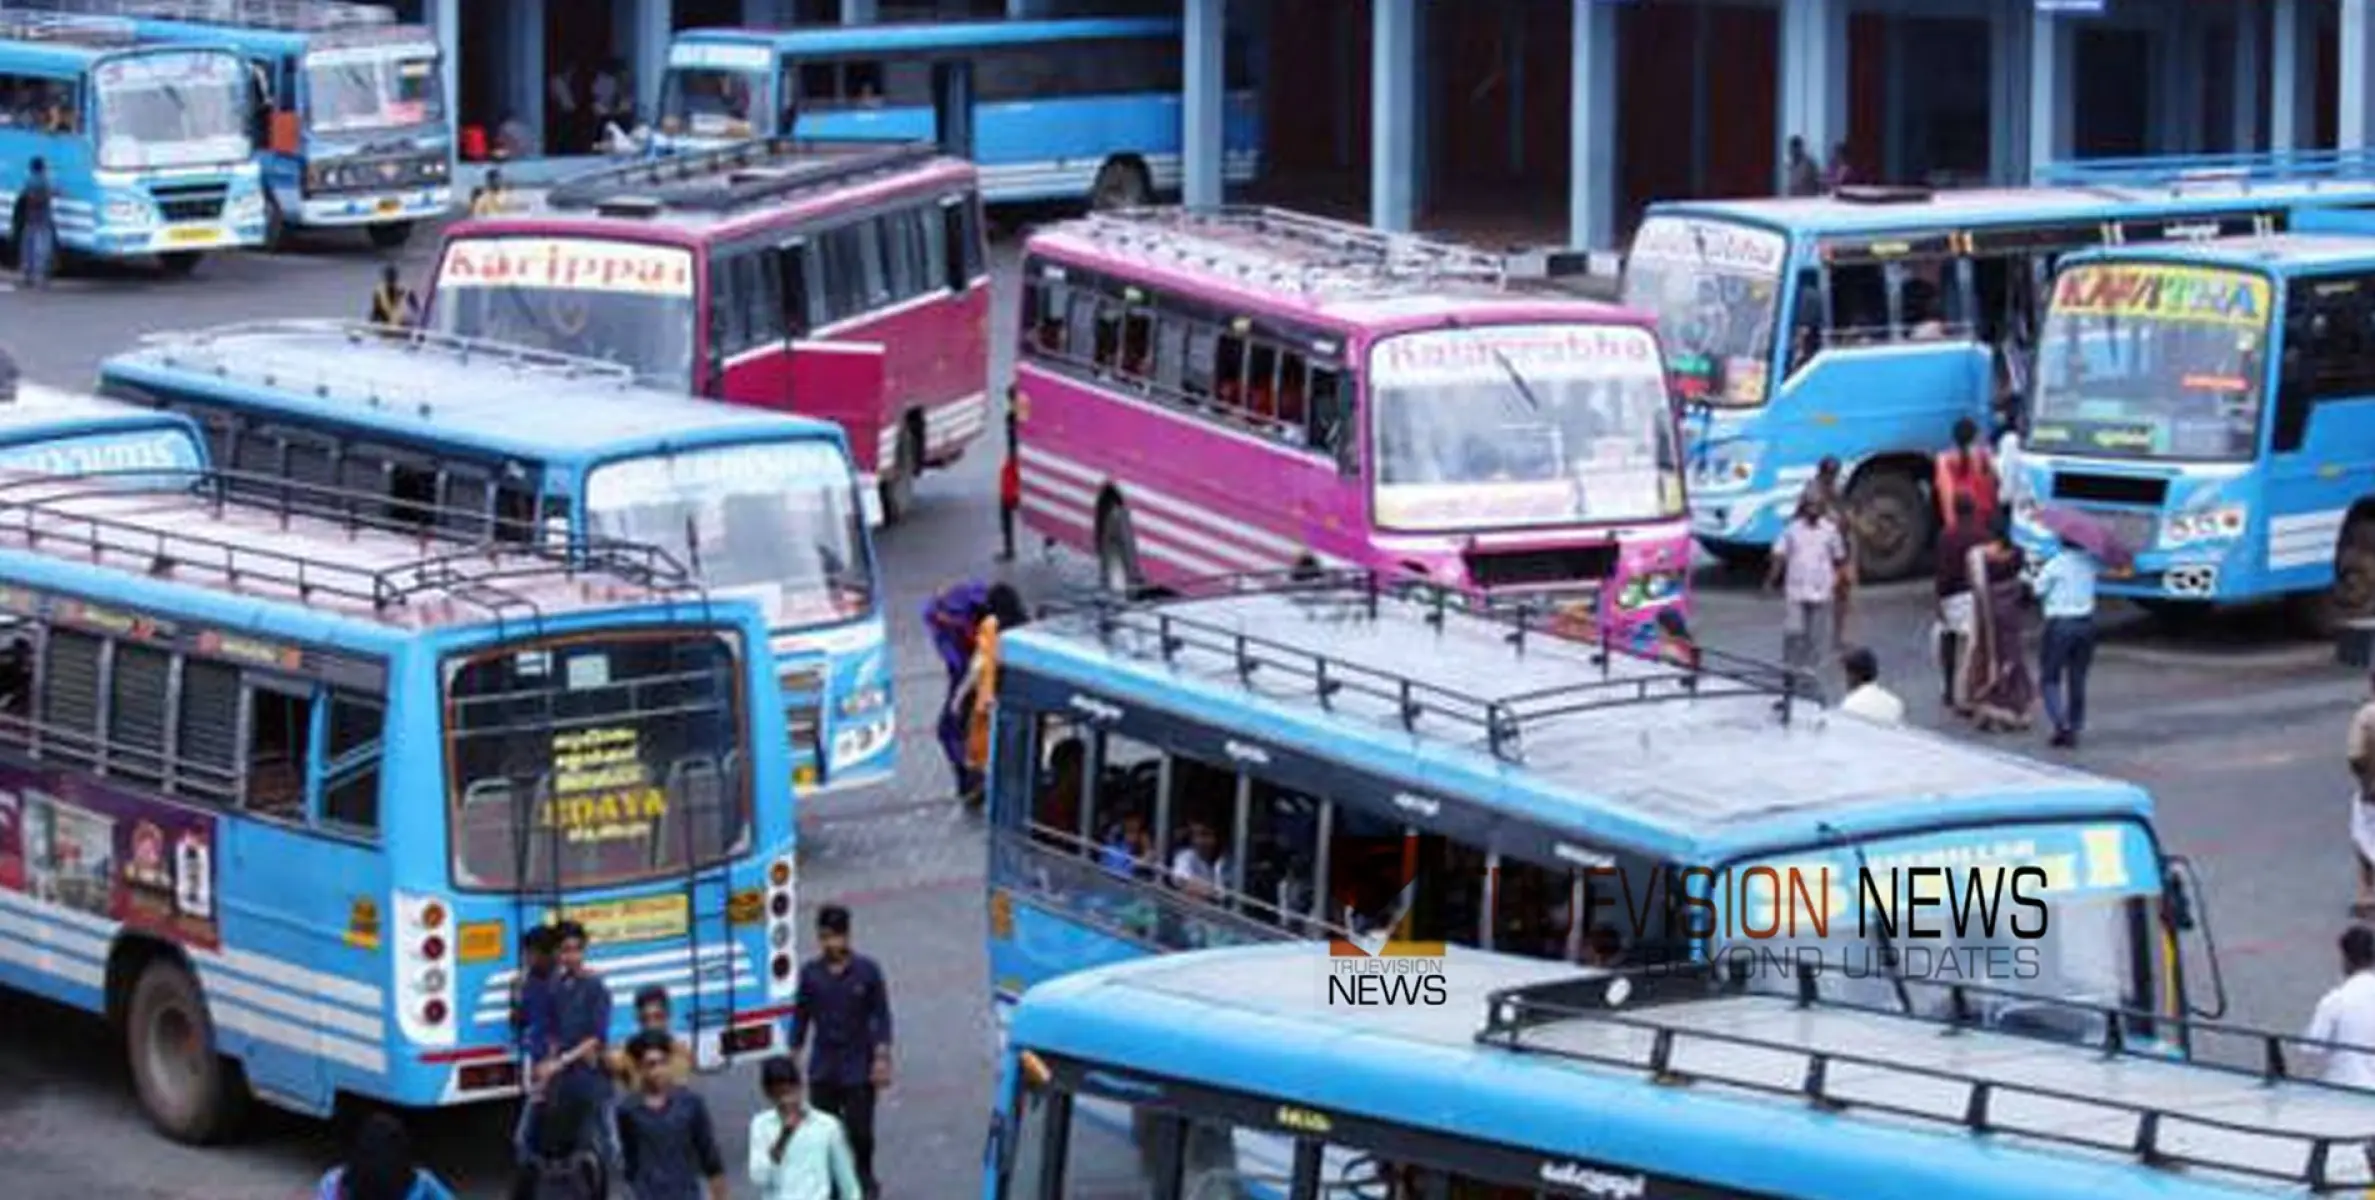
372,208
190,237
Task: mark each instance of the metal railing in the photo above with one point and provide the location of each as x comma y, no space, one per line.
23,22
740,175
309,356
1291,250
295,16
2177,173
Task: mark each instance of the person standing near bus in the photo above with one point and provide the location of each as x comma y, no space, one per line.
978,694
2359,752
34,225
1826,491
951,618
581,1026
1806,561
1010,485
1966,469
379,1166
392,306
842,1013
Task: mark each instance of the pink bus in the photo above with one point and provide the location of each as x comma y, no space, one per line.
1204,393
846,281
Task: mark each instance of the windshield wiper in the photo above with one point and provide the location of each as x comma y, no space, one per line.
1517,378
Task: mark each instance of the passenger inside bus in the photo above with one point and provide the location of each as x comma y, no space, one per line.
16,677
1058,820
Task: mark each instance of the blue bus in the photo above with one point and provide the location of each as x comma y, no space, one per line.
1081,109
52,432
146,145
1862,325
2213,404
1225,1074
352,127
532,445
1231,765
282,787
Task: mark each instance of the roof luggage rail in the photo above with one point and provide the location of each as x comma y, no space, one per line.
1299,251
1618,1018
22,22
295,16
42,509
243,352
740,175
1150,619
2175,173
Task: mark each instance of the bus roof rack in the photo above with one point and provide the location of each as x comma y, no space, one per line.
2178,172
26,24
740,175
1307,253
244,352
1150,624
1883,193
1669,1020
49,510
295,16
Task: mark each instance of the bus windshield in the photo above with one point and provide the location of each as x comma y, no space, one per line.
622,302
780,522
1523,425
590,761
2065,933
172,109
379,87
711,101
1714,288
2152,360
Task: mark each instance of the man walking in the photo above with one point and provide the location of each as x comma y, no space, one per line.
842,1013
952,618
2346,1015
797,1153
35,225
1827,492
533,1018
1806,562
667,1144
581,1024
2066,591
1958,605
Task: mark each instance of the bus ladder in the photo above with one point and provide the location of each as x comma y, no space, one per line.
709,902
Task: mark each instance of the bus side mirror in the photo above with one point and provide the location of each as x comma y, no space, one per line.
2178,900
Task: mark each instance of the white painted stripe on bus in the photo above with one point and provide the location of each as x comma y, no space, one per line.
328,1018
1086,498
49,962
58,912
267,1028
1057,512
1150,526
501,980
57,937
1259,538
971,410
257,967
1035,456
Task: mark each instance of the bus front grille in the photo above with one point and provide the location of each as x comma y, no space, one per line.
190,201
1535,568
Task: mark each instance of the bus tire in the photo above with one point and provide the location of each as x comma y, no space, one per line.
1121,183
179,263
1892,524
2352,597
1117,552
191,1093
898,484
389,235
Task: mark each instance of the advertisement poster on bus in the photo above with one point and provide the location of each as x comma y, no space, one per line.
145,863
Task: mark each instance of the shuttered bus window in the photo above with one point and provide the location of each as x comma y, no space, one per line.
312,460
139,702
206,758
70,697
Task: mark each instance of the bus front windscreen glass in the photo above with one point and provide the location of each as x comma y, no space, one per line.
779,522
710,101
1521,426
2041,910
622,302
1714,288
591,761
2152,360
172,108
352,89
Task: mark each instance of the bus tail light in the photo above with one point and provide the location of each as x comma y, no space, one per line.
783,935
425,983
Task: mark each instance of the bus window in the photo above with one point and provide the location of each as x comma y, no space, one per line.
1859,306
903,245
1138,343
1127,808
412,492
1228,368
256,452
280,734
311,459
1199,372
1294,390
467,498
1080,325
876,261
1281,881
1060,789
844,270
206,742
931,231
1043,315
137,693
1806,320
515,515
1331,419
1261,383
16,681
350,764
70,697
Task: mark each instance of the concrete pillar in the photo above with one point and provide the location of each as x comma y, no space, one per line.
1895,135
2176,100
1702,116
857,12
2354,124
1424,127
1393,158
2245,135
2285,126
1813,100
655,24
1591,129
2053,103
2008,91
1204,102
1020,9
445,17
523,33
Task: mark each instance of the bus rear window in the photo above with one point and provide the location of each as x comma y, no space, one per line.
598,761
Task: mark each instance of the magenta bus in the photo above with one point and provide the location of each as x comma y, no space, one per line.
1204,393
847,281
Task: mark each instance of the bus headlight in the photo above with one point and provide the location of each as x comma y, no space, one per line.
1649,589
1727,466
861,740
861,700
131,210
246,208
2205,525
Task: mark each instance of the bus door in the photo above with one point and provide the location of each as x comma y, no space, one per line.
952,106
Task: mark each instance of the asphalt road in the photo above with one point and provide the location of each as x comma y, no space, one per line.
2238,736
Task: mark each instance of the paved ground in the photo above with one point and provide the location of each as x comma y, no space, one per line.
2238,738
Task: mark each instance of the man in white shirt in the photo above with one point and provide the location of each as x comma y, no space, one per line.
1806,562
1200,869
1865,697
2347,1015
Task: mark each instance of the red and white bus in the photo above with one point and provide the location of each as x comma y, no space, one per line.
846,281
1206,393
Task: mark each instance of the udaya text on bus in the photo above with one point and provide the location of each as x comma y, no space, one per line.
843,281
146,144
1863,325
351,127
1320,391
282,787
1222,1073
2213,404
1079,109
1340,756
754,504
